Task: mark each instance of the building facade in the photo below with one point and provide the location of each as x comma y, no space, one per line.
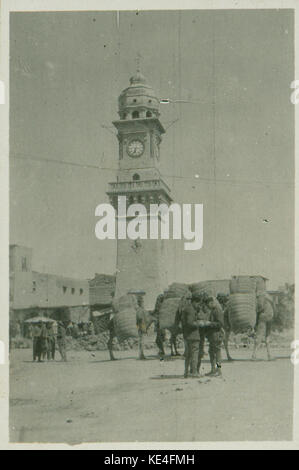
141,264
32,292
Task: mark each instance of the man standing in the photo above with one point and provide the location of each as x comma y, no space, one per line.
51,342
36,332
190,326
43,342
215,335
61,341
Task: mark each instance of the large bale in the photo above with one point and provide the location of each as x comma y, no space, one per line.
242,285
212,287
125,309
176,290
203,287
168,311
242,312
260,285
265,307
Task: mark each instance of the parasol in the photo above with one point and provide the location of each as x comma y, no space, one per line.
40,320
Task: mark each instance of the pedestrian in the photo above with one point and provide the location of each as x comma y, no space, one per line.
61,339
215,335
43,343
51,342
36,332
91,330
190,326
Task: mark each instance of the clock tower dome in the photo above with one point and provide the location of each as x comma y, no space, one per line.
140,263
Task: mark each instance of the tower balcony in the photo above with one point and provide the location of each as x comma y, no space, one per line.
153,191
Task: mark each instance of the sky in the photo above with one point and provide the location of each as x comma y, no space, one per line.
230,148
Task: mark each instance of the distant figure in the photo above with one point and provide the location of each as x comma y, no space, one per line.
36,332
51,342
75,331
91,331
43,344
61,339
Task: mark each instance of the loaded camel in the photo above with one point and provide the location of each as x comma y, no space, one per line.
144,319
175,323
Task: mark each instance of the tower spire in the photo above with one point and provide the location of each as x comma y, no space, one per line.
138,61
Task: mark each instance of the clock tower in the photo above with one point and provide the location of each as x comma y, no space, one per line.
141,264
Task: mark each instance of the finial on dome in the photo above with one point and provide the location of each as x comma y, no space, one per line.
138,77
138,60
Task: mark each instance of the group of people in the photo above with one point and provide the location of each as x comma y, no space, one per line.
202,318
45,336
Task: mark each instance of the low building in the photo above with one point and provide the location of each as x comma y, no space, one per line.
32,293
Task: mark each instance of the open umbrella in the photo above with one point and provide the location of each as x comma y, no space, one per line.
40,320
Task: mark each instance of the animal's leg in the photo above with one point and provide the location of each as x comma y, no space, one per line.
268,336
270,357
173,345
268,349
175,335
141,353
226,340
110,343
159,343
260,334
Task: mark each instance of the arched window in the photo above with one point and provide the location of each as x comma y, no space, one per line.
124,115
148,114
135,115
136,177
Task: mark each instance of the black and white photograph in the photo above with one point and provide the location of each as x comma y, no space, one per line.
152,226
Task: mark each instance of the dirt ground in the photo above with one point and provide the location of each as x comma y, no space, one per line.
90,399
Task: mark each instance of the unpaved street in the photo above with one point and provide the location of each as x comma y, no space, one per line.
91,399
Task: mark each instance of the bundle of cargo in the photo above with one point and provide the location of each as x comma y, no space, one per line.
265,307
125,309
242,285
260,285
203,287
176,290
242,309
212,287
168,311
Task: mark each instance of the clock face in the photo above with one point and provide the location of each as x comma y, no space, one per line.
135,148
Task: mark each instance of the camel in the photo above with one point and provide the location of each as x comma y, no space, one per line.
144,320
175,328
265,316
